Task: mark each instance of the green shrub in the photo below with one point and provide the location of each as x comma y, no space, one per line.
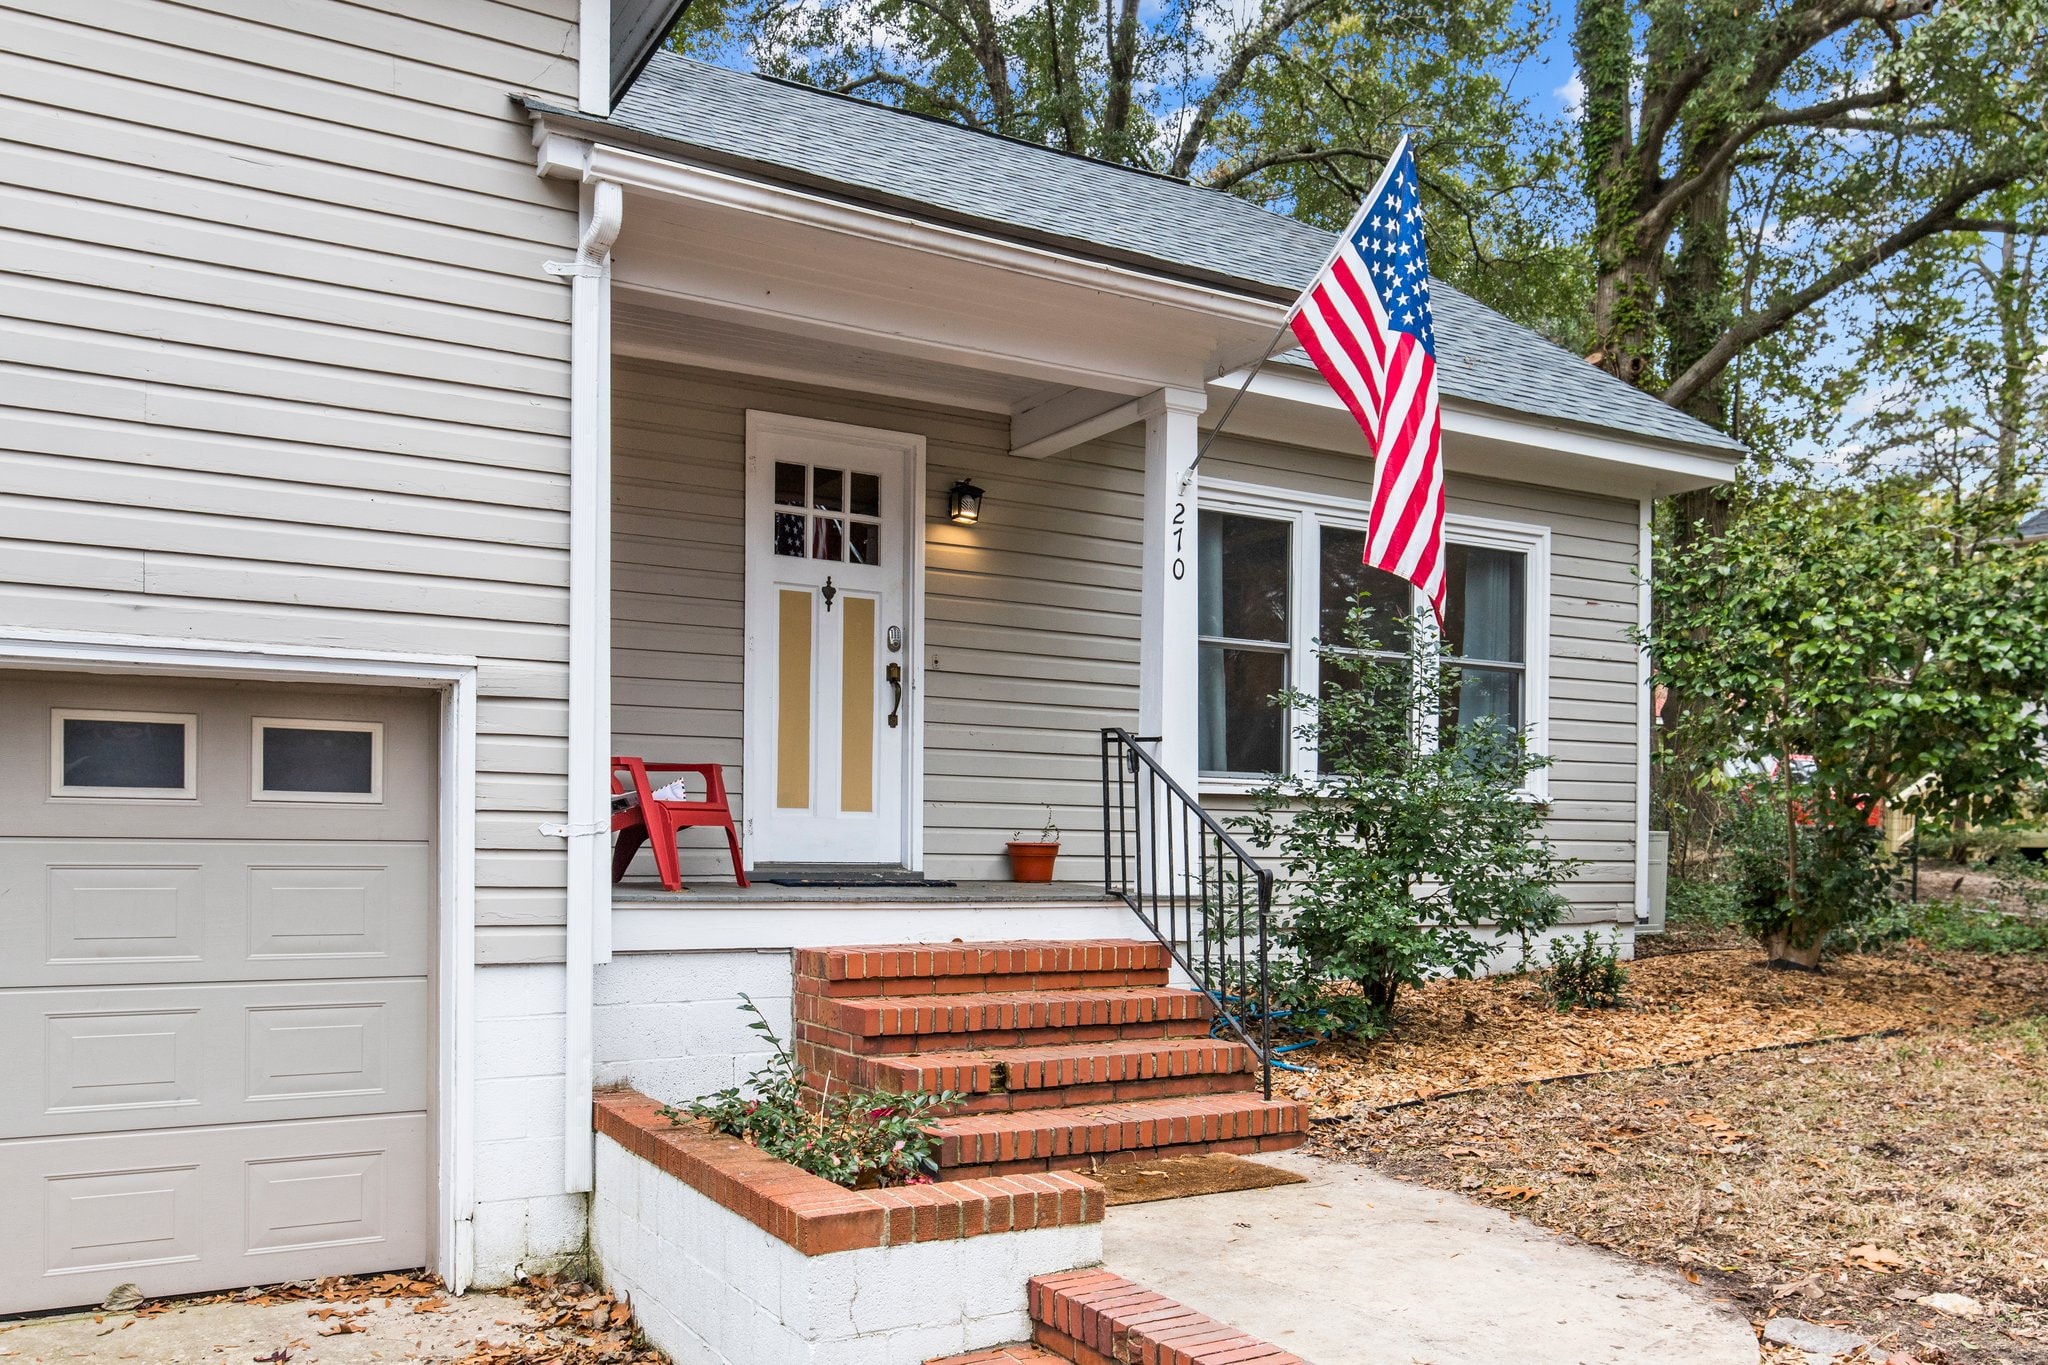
1401,851
1950,926
855,1138
1585,972
1697,901
1844,877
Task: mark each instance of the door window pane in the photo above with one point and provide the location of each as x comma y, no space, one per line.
863,543
826,489
1243,577
866,497
789,534
1347,582
1243,730
789,484
121,753
828,538
318,760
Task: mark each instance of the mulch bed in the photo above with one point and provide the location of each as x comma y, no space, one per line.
1146,1182
1836,1147
1463,1035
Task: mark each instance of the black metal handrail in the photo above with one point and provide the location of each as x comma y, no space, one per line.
1195,887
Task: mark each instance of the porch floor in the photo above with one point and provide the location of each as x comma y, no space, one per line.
721,892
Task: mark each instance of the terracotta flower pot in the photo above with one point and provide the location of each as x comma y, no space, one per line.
1031,860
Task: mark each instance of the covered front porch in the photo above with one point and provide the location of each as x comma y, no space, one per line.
791,593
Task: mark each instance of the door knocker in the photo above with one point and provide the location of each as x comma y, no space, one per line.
829,592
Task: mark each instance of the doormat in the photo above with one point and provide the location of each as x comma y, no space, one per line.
1143,1182
856,879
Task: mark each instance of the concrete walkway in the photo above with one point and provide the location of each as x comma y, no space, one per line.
1355,1267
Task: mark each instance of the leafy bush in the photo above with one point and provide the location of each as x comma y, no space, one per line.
1696,900
1586,972
856,1138
1400,850
1844,877
1950,927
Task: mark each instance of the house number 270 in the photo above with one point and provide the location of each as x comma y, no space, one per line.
1180,530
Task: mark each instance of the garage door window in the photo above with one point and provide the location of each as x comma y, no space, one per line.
122,754
318,760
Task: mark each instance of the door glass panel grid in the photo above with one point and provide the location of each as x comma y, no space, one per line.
840,516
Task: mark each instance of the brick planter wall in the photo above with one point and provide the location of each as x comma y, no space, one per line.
733,1257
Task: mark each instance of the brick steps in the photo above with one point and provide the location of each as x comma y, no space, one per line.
1013,1018
1054,1138
972,968
1020,1354
1097,1317
1072,1054
1065,1073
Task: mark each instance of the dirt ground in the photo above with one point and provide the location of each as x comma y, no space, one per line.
1837,1181
1458,1035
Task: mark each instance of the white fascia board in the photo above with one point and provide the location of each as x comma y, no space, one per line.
1645,465
703,184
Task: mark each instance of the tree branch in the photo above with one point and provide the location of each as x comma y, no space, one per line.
1255,44
1225,177
1660,215
938,98
1941,216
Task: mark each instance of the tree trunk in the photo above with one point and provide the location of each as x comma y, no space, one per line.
1782,953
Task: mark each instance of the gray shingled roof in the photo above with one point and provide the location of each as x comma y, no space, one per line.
871,151
2035,527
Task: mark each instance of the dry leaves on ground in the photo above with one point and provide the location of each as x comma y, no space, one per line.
579,1325
1460,1035
1854,1183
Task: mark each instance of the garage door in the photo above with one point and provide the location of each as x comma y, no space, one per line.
216,939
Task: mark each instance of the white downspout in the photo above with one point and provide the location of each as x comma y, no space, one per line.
1645,715
587,918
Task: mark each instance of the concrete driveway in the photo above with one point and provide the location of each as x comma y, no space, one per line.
379,1331
1355,1267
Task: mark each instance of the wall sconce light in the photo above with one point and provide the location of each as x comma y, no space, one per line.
963,503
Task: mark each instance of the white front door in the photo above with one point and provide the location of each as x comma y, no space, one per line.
834,544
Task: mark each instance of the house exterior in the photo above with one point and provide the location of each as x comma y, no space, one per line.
408,408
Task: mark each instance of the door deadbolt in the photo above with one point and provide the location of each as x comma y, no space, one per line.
895,639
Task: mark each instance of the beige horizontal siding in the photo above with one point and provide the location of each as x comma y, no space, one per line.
278,361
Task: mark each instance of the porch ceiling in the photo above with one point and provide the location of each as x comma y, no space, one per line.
653,327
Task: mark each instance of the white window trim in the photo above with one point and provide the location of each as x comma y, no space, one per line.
375,729
1309,512
58,715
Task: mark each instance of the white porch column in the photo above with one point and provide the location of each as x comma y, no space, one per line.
1168,704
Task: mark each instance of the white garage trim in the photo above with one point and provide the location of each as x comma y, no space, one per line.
455,679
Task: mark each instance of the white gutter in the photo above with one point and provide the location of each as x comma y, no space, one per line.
587,917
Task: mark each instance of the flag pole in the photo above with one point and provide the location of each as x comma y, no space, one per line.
1252,371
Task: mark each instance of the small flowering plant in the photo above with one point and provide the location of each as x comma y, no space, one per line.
856,1138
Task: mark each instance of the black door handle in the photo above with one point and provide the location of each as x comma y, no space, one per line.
894,674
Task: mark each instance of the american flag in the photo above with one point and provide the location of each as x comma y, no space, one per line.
1365,321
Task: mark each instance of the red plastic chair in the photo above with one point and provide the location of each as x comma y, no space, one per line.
661,821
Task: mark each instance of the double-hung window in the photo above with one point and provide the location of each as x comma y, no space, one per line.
1279,572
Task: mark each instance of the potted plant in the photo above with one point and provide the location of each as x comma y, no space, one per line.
1031,859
